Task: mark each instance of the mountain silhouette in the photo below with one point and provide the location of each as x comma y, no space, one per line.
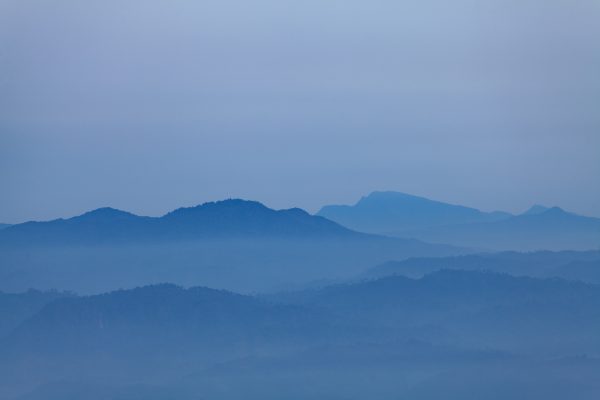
386,212
553,229
154,312
227,218
232,244
152,322
209,341
406,216
479,307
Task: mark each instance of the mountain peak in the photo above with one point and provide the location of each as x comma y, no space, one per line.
536,209
221,206
296,211
388,212
555,211
226,218
380,197
104,213
234,203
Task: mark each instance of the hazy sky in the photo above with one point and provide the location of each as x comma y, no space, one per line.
149,105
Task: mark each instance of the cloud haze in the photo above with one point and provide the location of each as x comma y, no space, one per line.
149,105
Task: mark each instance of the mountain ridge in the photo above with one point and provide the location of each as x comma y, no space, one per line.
231,217
233,244
209,341
388,211
406,216
552,229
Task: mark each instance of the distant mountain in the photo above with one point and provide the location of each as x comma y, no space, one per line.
161,327
395,212
403,334
469,306
553,229
233,244
175,321
228,218
571,265
155,314
452,285
405,216
536,209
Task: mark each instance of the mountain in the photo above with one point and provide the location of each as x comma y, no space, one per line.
97,226
157,313
2,226
233,244
536,209
141,331
571,265
389,338
17,307
468,308
553,229
228,218
405,216
393,212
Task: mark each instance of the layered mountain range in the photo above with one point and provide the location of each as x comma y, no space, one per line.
403,215
234,244
232,299
406,334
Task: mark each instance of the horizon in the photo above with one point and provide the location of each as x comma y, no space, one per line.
370,199
149,106
312,212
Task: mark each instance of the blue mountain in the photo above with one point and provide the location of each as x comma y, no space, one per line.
393,212
492,329
232,244
227,218
571,265
553,229
406,216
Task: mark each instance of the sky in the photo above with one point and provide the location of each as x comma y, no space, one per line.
148,105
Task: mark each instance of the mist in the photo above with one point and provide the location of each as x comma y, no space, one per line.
332,199
146,106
